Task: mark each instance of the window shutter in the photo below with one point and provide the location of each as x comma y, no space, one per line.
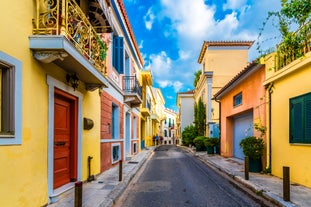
307,113
296,120
118,54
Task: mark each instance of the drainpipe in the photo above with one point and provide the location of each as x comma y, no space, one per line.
219,114
270,91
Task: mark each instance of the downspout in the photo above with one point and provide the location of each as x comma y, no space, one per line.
219,115
270,91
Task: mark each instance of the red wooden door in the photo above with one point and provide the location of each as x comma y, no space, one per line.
64,158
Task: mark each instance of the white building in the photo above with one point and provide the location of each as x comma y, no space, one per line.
185,104
169,127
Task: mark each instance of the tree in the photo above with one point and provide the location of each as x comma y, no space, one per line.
197,77
293,25
200,117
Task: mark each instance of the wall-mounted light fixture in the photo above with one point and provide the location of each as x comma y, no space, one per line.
72,80
88,123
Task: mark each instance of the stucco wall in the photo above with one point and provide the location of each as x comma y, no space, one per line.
253,99
24,180
296,156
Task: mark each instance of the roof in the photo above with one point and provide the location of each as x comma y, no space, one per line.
187,92
127,21
248,70
222,44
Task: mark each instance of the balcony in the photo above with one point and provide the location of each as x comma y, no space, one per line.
132,91
146,108
63,34
296,45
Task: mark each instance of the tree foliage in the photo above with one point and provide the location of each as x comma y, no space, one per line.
197,77
293,16
188,135
200,117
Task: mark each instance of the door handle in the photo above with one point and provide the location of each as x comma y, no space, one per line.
59,143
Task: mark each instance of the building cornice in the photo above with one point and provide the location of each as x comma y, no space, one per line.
207,44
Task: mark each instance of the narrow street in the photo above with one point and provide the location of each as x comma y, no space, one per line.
174,178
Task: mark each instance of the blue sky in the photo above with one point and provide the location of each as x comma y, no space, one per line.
170,34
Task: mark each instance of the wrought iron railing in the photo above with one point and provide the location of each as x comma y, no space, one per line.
293,46
65,17
131,85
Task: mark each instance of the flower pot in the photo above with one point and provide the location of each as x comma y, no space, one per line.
210,149
199,148
255,165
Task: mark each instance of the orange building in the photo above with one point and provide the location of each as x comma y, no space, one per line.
242,104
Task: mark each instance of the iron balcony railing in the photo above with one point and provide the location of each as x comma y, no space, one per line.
131,85
65,17
294,46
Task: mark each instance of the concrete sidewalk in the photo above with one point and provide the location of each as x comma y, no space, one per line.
270,186
106,188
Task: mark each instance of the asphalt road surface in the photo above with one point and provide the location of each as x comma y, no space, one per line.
174,178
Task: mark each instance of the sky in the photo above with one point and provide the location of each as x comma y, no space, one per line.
170,34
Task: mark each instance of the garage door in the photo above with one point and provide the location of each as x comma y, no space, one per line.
242,127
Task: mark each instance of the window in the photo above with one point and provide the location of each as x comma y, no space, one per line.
165,133
135,128
300,119
237,99
115,153
118,54
115,121
10,100
169,122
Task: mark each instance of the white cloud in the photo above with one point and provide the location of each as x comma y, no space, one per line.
141,44
164,83
177,86
149,19
160,64
183,54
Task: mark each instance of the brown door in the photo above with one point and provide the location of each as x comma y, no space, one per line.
64,139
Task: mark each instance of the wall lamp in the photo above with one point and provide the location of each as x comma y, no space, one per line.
72,80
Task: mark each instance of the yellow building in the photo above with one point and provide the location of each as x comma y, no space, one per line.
220,61
145,109
289,115
52,65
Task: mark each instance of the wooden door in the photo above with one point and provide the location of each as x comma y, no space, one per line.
64,140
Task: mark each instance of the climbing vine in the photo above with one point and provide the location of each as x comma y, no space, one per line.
293,23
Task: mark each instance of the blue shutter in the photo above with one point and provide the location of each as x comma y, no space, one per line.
118,54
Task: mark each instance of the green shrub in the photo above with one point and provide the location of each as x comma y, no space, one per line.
199,143
188,135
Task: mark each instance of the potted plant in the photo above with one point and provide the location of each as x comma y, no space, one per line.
253,147
212,145
216,142
199,143
209,144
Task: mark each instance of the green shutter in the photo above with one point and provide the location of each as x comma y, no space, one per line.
296,120
307,109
